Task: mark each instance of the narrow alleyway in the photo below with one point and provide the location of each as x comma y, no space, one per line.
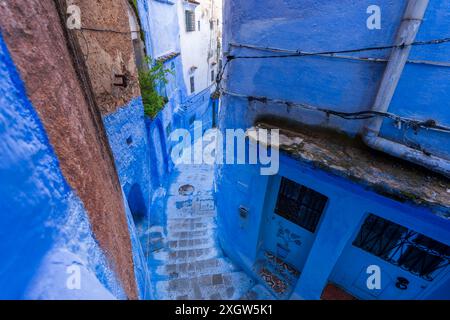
184,257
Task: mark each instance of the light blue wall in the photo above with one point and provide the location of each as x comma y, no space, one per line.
159,22
159,19
198,108
44,227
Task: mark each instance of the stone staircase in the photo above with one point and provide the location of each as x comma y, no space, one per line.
186,261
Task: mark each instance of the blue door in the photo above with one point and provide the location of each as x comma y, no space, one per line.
294,212
410,264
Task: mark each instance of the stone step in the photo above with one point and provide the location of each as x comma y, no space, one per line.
190,219
196,268
182,256
258,292
226,286
191,224
190,235
190,213
200,243
190,227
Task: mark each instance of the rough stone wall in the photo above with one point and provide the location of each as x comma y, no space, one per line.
33,33
108,52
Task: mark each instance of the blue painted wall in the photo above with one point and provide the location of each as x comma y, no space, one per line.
141,271
44,227
159,21
127,135
424,91
332,256
343,85
128,139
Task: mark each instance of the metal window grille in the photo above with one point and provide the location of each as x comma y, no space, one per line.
410,250
190,20
300,205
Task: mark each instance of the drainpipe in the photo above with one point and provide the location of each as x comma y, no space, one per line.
406,35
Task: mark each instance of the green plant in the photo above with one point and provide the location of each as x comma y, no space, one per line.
149,81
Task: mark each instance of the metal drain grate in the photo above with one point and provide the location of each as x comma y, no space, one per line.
186,190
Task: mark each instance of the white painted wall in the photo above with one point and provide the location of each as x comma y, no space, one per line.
199,47
163,22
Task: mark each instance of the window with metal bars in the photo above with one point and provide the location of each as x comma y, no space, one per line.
190,20
410,250
300,205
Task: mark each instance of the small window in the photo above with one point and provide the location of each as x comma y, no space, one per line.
213,76
300,205
129,140
211,24
403,247
192,84
198,25
192,120
190,20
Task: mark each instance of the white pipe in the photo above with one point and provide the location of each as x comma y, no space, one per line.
398,150
406,35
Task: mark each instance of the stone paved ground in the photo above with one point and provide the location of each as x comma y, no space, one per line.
185,259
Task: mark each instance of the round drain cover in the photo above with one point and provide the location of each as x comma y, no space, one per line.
186,190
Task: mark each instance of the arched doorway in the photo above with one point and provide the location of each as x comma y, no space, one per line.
136,203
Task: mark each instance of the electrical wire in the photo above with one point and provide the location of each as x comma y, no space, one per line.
299,53
106,30
360,115
336,56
